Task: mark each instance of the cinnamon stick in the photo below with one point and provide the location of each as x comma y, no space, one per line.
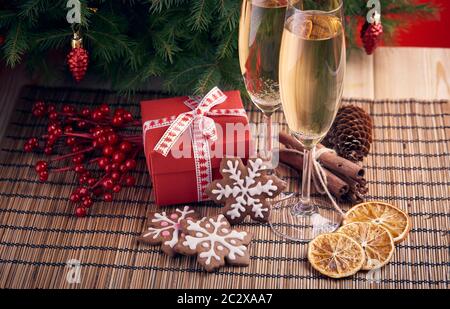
329,160
335,185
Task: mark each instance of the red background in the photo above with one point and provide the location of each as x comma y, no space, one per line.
430,33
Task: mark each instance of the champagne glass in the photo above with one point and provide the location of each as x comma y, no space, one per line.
311,73
260,30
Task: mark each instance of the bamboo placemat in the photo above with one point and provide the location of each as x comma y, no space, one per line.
408,166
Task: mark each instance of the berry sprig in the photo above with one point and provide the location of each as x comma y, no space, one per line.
100,154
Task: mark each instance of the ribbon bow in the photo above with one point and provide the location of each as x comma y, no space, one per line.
202,123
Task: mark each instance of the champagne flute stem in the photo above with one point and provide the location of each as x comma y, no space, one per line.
306,178
305,206
268,138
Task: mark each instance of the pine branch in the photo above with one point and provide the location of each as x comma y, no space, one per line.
16,44
200,14
227,46
159,5
207,80
53,39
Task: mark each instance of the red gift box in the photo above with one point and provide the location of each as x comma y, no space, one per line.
185,139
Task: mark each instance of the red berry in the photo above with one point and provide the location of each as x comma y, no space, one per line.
48,150
82,124
108,151
70,140
85,112
51,108
43,176
41,166
128,117
95,144
68,129
123,168
39,105
27,148
53,116
113,138
97,131
108,168
104,108
68,109
108,184
129,181
96,115
118,157
117,121
107,197
130,164
82,179
115,176
34,142
87,202
74,197
125,146
91,181
80,212
76,148
102,140
103,162
83,191
78,158
79,168
117,188
115,167
38,112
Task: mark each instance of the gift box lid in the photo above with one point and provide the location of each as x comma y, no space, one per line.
168,107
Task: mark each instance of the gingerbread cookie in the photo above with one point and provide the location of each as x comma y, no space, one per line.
214,242
165,229
244,189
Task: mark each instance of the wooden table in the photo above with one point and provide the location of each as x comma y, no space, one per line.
399,73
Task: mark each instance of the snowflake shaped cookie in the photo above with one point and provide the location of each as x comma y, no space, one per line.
244,189
214,242
165,229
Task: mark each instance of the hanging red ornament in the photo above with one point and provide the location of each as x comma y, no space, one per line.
78,58
2,39
370,35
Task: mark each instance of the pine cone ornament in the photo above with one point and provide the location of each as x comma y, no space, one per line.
351,133
370,36
78,59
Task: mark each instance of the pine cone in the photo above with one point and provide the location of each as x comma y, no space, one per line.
351,133
78,60
370,36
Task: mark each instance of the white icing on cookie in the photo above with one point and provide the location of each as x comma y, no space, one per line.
169,225
245,190
213,240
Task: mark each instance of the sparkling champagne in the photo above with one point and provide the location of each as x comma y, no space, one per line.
312,67
260,31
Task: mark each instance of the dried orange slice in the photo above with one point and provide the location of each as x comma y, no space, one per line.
388,216
376,241
335,255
